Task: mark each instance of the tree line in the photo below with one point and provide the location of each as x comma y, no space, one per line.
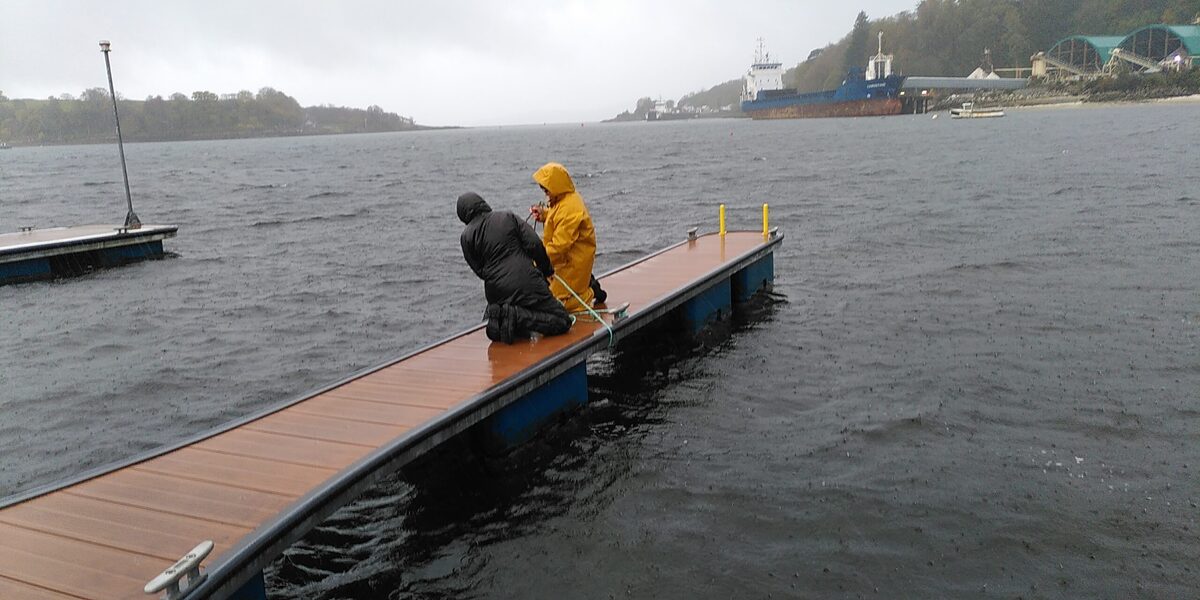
714,100
948,37
203,115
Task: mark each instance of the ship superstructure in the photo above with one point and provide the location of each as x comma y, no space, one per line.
765,77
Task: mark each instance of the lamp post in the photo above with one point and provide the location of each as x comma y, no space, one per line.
131,220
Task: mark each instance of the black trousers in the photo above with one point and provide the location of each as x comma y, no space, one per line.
509,322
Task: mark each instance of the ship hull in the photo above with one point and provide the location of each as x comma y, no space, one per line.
856,97
873,107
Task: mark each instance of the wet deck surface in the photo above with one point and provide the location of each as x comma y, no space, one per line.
106,536
20,243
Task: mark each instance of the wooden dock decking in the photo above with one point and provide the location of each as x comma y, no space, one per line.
257,485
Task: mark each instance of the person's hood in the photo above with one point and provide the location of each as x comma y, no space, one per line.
471,205
554,177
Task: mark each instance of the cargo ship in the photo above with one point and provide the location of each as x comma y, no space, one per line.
873,91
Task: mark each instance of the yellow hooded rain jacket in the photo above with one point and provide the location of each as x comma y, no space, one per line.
569,236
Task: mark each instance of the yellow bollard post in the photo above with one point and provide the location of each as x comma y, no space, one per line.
766,220
722,220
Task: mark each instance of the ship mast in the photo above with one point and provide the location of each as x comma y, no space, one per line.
760,54
763,75
880,65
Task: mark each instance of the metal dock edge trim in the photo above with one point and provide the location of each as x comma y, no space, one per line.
107,468
213,432
85,244
255,551
260,548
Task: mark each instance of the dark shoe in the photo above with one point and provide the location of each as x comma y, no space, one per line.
599,293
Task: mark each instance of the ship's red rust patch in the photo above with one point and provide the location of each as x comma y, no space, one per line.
875,107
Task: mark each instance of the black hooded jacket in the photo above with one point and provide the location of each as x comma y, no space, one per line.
502,250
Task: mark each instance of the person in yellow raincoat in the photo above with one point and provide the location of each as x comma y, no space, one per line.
569,236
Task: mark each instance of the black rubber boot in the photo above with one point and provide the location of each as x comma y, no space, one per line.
508,324
599,293
494,316
527,321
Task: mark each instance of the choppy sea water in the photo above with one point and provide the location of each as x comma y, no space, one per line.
978,376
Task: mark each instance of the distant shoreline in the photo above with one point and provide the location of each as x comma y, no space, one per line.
259,136
1080,102
1046,101
1007,101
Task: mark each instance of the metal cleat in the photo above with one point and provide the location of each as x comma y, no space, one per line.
189,565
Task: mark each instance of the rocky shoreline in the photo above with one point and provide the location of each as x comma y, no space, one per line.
1023,99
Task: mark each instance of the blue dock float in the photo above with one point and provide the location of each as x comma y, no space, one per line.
712,304
230,500
32,254
520,421
753,279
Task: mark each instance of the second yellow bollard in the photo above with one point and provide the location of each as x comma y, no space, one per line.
766,220
722,228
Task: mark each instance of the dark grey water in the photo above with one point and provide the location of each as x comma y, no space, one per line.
979,377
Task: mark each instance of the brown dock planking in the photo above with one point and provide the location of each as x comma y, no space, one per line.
107,533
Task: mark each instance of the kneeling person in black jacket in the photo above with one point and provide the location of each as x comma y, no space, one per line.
503,251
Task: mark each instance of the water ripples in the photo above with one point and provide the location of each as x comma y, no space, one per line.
978,371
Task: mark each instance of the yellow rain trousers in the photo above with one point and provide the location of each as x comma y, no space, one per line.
569,237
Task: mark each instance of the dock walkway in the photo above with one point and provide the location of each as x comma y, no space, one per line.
40,253
257,485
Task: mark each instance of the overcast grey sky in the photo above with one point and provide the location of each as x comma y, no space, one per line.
447,62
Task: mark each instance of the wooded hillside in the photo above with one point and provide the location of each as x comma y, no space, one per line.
203,115
948,37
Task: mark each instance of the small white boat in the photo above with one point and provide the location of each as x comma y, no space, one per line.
968,111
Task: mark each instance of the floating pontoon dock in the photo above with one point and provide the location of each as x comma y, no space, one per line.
43,253
255,486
